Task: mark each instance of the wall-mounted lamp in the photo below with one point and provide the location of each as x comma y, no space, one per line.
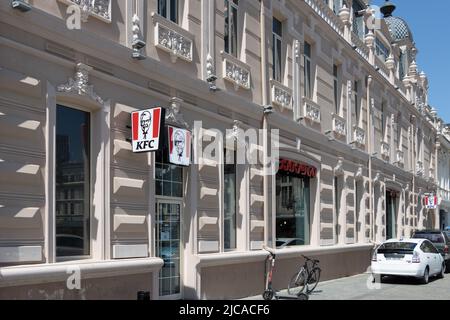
328,134
212,83
21,5
268,109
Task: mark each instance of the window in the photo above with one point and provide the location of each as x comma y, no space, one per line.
231,23
403,63
292,210
356,97
168,9
358,19
168,177
383,121
307,70
277,35
73,134
230,200
381,50
336,89
337,204
337,5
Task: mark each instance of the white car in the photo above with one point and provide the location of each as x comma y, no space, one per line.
417,258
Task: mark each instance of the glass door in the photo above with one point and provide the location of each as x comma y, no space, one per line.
168,245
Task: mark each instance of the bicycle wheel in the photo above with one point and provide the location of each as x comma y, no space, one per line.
298,283
313,279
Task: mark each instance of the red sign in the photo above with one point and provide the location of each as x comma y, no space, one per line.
292,167
146,128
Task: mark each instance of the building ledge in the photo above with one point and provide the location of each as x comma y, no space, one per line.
231,258
89,269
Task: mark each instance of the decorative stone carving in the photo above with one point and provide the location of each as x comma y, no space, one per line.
173,39
173,115
210,70
297,49
98,8
281,95
339,169
137,43
359,135
235,72
81,84
359,175
385,150
400,157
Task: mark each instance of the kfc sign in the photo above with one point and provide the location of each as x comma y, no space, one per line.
430,201
146,128
179,146
295,168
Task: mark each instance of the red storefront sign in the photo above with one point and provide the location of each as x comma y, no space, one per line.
292,167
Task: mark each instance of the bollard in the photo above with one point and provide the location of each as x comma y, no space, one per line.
143,295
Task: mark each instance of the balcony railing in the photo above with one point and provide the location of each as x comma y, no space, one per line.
311,110
339,126
236,72
360,46
359,135
100,9
173,39
281,95
381,65
324,11
420,170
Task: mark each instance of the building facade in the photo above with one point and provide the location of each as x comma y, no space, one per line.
357,144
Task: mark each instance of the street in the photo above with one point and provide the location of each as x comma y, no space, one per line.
393,288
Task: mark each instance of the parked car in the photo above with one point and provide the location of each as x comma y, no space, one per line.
287,242
417,258
440,239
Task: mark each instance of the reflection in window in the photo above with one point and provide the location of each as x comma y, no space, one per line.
293,210
358,19
230,200
168,9
277,35
168,177
307,70
231,23
72,160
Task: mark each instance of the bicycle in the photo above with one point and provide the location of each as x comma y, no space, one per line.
269,292
307,277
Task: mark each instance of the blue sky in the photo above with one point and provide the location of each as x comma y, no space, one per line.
428,21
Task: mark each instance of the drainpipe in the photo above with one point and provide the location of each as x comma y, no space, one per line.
413,156
370,151
265,124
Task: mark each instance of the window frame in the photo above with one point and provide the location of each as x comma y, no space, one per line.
231,5
277,51
336,91
169,8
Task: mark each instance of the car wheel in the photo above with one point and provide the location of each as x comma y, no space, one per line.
447,266
426,276
442,273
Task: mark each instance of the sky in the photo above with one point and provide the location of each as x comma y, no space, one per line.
428,23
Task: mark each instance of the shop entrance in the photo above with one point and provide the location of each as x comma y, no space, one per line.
168,247
391,214
168,224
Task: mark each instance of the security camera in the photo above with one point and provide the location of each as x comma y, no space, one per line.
138,44
211,78
268,109
137,55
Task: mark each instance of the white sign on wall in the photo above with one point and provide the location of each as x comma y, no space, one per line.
179,146
146,129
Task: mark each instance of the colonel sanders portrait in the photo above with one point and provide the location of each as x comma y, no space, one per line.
146,120
179,142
